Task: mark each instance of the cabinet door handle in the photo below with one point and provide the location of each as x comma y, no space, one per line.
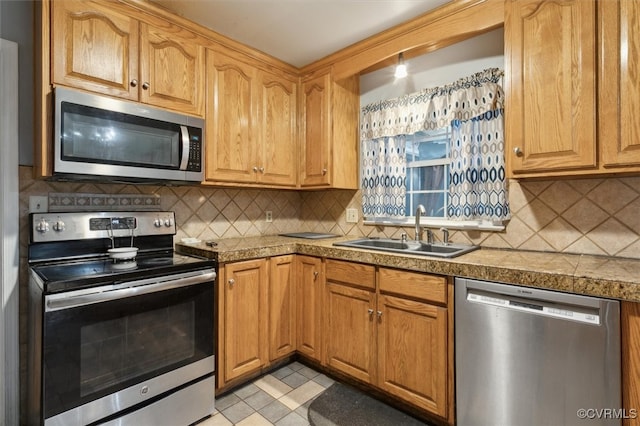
255,169
517,151
134,82
379,313
324,172
145,85
231,282
370,312
315,275
261,169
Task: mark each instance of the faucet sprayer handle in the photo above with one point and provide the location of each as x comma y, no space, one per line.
445,235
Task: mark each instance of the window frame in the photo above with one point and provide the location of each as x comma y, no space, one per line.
433,221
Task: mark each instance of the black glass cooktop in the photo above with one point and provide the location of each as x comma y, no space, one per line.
70,275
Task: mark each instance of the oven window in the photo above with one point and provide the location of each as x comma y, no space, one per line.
121,349
96,350
109,137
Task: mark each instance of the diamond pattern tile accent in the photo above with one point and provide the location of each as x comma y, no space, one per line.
559,196
560,234
612,195
630,215
585,215
612,236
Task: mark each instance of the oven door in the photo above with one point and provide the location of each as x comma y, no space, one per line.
111,348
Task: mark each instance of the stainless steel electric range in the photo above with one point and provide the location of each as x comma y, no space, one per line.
121,327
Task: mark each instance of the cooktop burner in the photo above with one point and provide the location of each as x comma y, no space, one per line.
69,275
69,251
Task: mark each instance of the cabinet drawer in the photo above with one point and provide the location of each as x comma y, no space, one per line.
351,273
413,284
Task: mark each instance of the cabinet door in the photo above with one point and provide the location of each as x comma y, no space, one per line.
282,306
351,327
412,352
278,164
172,71
309,300
230,127
317,132
550,58
95,48
620,82
245,317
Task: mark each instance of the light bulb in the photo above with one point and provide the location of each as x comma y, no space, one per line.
401,68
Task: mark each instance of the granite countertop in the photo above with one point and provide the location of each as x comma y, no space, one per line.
602,276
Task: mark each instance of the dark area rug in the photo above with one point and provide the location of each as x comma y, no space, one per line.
342,405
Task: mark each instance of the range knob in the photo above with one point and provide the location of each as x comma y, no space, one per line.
157,223
42,226
59,226
168,222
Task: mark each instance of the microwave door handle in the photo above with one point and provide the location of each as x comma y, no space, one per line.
184,132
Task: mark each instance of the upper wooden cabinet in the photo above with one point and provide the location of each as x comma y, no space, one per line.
573,97
330,111
251,124
619,83
108,49
551,85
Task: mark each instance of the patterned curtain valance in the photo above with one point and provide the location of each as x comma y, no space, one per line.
433,108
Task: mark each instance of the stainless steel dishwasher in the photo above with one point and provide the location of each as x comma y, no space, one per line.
526,356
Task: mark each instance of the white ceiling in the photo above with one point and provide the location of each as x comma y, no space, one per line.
299,32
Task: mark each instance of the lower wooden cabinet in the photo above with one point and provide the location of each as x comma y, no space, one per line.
244,314
256,315
351,330
310,288
282,306
393,335
382,326
412,352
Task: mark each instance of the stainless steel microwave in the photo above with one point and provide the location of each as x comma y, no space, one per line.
97,137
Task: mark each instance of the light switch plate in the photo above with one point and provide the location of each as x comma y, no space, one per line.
38,203
352,215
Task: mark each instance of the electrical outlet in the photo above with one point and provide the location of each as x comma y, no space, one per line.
38,203
269,215
352,215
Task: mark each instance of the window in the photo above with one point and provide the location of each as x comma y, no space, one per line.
455,169
428,158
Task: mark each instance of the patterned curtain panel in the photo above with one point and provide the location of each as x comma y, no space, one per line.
433,108
384,173
477,184
473,106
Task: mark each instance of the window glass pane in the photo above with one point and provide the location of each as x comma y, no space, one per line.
425,146
433,202
428,172
431,178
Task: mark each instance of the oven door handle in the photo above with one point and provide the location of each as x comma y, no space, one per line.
61,301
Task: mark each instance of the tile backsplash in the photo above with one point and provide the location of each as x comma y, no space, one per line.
592,216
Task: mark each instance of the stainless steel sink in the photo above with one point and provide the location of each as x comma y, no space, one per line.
409,247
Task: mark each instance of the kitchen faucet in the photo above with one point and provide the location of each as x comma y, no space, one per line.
419,211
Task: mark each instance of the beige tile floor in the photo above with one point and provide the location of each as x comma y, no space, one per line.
280,398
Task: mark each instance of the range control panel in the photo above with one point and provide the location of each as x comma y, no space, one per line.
46,227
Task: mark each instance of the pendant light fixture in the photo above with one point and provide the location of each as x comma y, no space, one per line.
401,67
